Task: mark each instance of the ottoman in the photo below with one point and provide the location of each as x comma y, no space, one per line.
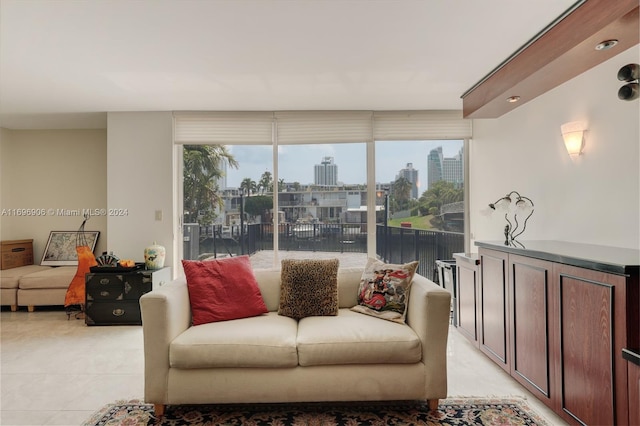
10,280
44,288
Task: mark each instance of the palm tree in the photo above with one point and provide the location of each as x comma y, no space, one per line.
202,169
249,185
402,191
266,182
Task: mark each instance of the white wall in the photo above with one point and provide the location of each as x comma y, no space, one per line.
52,169
595,199
140,179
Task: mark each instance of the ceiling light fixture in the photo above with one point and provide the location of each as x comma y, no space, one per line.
607,44
512,99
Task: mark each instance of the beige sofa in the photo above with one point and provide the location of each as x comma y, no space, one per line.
273,358
35,285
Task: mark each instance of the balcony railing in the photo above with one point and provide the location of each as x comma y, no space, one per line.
394,244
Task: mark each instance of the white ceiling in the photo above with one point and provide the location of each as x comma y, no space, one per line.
64,63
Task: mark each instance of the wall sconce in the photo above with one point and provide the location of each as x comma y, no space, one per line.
573,135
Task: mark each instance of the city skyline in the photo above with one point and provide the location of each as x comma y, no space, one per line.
296,162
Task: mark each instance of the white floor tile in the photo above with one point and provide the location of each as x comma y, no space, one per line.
56,371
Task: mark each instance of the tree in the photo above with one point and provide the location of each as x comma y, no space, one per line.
266,182
402,192
202,169
249,185
258,205
440,193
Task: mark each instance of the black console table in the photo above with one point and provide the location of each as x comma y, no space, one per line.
113,298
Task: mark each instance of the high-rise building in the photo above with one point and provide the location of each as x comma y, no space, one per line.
447,169
434,166
410,174
326,173
453,169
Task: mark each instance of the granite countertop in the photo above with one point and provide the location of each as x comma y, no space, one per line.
615,260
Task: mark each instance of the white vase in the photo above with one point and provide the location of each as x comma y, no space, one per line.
154,256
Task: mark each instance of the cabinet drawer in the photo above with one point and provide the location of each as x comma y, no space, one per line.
135,285
104,287
113,313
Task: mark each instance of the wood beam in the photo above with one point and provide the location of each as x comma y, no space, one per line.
559,54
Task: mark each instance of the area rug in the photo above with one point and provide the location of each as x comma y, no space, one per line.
459,411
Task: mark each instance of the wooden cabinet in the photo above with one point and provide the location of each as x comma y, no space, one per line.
633,368
532,325
558,324
494,328
16,253
113,298
591,379
467,295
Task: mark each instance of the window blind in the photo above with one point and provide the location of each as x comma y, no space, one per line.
311,127
225,128
420,125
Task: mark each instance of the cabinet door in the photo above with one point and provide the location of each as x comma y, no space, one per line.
634,394
532,325
467,300
592,377
494,336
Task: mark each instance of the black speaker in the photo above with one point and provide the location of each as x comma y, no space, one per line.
628,92
629,72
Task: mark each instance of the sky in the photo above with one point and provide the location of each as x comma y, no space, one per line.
296,161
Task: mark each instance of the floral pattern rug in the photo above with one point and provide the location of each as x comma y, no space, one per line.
459,411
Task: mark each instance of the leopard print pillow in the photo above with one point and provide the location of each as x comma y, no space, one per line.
308,287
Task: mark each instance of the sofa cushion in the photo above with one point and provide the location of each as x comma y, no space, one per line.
265,341
58,277
384,290
352,338
309,287
222,289
10,278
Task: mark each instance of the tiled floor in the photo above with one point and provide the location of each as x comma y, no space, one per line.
56,371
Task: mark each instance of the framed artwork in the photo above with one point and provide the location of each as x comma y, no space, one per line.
61,247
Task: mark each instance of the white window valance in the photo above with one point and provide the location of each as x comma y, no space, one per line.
224,128
420,125
311,127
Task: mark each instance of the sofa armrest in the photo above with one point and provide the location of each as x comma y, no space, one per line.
166,312
428,315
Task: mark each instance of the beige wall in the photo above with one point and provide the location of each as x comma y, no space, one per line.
595,199
52,169
140,178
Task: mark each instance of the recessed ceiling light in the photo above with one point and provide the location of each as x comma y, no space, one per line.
512,99
607,44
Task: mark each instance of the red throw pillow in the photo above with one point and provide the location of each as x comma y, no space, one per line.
222,289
